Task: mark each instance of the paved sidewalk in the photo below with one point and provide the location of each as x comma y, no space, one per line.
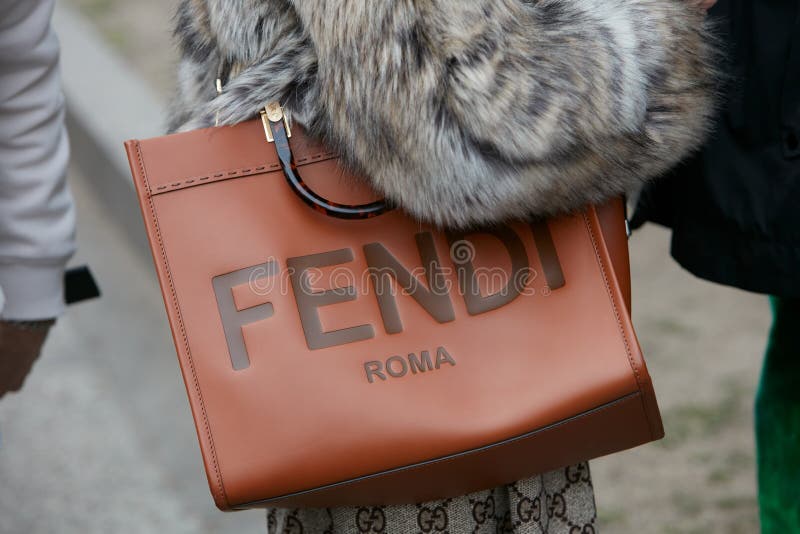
704,344
101,439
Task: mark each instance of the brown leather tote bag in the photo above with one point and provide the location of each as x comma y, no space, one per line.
340,355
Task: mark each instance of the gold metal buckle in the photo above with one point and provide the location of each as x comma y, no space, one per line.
273,112
218,86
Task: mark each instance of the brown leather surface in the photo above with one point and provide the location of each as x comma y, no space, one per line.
589,436
615,234
295,419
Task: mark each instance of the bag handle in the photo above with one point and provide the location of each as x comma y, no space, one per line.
276,129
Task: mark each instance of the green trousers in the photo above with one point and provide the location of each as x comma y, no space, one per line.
777,417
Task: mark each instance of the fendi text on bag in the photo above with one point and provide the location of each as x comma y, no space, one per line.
336,352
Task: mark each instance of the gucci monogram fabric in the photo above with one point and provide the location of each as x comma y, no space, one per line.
559,502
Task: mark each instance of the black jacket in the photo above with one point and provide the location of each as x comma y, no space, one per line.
735,208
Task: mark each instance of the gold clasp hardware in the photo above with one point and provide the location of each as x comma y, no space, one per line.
218,86
273,112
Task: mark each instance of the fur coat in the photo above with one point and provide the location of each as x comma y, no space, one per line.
464,112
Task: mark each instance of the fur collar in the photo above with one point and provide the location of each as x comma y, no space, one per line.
465,112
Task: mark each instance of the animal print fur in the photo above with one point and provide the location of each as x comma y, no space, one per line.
465,112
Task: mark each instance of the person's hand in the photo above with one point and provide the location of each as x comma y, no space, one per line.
20,345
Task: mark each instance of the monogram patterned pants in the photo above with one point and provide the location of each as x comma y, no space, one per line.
559,502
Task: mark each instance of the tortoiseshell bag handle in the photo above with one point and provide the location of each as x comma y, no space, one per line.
276,129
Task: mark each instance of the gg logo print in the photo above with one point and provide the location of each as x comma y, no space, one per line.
578,473
293,525
371,520
556,506
529,509
433,519
483,510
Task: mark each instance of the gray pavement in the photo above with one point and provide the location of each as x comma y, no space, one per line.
101,440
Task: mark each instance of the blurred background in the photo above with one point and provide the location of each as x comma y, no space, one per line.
101,438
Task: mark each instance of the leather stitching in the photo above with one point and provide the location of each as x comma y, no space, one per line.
621,329
419,465
257,170
190,181
177,310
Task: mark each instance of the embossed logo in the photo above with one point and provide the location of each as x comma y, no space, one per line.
399,366
428,285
